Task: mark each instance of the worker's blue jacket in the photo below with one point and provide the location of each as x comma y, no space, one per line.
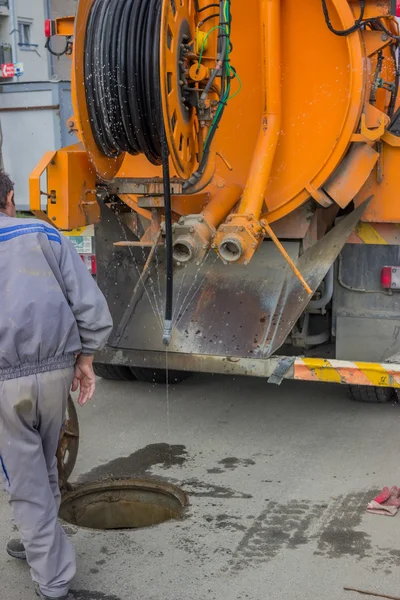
50,307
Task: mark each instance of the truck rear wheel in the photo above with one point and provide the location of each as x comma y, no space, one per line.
371,394
113,372
159,376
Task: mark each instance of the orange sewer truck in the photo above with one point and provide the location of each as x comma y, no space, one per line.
241,164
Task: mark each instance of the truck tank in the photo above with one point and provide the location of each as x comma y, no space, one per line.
239,161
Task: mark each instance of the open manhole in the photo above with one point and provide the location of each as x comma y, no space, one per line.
122,504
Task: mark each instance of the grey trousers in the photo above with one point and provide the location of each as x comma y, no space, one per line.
32,411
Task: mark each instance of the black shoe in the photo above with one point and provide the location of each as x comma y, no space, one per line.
43,597
15,548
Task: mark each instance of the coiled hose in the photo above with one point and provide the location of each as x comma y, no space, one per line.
123,95
122,74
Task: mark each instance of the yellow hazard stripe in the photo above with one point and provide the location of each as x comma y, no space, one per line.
322,370
369,235
378,374
354,373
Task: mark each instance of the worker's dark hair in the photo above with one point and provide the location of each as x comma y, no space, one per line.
6,186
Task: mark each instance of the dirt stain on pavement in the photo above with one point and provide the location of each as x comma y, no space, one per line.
231,463
89,595
339,537
278,527
333,527
139,463
228,522
201,489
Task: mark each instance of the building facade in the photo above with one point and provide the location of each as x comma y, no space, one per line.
22,37
35,106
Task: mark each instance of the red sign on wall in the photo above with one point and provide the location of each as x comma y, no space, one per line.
8,70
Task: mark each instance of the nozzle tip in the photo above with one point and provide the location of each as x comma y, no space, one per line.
167,335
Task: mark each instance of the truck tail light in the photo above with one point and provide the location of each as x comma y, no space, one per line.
390,278
90,262
49,28
395,8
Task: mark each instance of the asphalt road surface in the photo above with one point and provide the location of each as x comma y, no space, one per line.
278,481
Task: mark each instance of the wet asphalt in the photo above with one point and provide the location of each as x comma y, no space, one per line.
278,481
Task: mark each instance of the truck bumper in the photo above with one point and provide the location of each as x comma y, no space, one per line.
275,368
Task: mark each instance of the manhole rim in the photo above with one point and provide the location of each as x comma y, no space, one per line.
80,490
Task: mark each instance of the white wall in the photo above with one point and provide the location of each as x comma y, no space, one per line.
36,65
35,58
28,133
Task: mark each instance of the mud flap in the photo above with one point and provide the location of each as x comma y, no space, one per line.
314,264
232,311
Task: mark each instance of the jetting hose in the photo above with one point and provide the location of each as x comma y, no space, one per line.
123,95
168,241
122,74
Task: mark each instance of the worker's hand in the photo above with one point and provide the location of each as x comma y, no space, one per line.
84,379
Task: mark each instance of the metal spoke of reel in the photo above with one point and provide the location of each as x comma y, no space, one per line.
177,50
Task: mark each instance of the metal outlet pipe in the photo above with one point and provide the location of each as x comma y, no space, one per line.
326,296
317,339
222,203
263,157
194,236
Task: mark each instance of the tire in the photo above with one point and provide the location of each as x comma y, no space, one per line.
113,372
158,375
371,394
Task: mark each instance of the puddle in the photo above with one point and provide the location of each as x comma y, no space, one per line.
122,504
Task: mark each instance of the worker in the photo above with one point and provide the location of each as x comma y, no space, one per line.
53,319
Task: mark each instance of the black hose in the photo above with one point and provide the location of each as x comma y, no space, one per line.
221,51
93,93
168,240
123,95
66,51
198,9
213,16
386,30
122,73
344,32
113,84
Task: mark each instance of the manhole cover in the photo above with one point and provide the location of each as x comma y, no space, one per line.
122,504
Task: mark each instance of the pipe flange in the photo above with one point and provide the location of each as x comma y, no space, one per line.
231,248
184,249
192,236
239,239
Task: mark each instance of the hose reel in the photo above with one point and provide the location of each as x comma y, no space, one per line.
122,87
146,66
